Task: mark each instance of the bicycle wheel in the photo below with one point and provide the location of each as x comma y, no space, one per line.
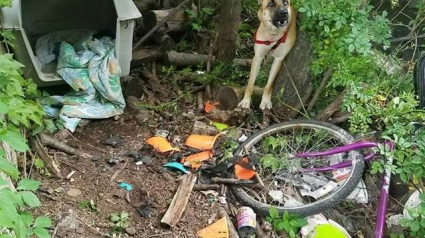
290,183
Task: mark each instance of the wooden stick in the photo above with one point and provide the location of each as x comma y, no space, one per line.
203,187
330,110
232,181
160,24
55,144
319,91
180,200
233,233
51,163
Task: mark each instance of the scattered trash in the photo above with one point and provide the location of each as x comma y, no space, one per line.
359,194
222,200
74,192
115,141
138,163
243,173
202,142
176,157
211,195
246,221
162,133
126,186
195,160
70,175
412,202
133,155
209,107
320,227
329,187
144,210
243,138
277,195
220,126
115,161
219,229
176,166
161,144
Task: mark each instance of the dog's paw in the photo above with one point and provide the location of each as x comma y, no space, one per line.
245,103
266,104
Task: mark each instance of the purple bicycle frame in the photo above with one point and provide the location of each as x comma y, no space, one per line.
384,195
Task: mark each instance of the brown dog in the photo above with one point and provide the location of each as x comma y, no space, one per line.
275,36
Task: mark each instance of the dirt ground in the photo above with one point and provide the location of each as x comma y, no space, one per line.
151,185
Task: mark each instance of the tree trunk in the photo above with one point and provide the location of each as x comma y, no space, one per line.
230,17
288,100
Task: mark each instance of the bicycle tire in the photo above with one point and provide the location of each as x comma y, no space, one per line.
316,207
419,81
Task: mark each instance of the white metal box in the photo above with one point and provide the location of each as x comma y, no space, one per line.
31,19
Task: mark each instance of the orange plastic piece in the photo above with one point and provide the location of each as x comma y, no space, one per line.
218,229
210,106
201,142
242,173
161,144
196,160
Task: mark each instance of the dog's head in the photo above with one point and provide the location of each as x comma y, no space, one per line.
275,13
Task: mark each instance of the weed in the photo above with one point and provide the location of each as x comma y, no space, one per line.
120,221
288,222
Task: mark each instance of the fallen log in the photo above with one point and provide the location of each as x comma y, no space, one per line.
330,110
164,40
159,25
229,97
186,59
149,55
178,22
180,200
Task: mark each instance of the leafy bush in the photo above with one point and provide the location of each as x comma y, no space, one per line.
416,222
288,222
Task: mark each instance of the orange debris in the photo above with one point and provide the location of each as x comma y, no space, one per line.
218,229
242,173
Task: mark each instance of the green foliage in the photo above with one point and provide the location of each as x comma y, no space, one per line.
199,21
290,223
88,204
15,220
416,222
120,221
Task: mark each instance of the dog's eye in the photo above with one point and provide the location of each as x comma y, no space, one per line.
285,3
271,4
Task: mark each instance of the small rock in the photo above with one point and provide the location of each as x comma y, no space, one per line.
114,141
131,231
74,192
59,190
80,230
50,191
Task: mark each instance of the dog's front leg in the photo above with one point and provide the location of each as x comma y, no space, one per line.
266,102
255,68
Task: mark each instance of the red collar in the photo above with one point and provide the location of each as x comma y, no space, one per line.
280,41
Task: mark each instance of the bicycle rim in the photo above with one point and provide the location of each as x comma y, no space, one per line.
301,190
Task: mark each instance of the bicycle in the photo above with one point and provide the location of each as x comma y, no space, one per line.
315,165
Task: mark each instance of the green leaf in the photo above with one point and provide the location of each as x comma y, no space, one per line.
2,182
6,236
41,232
274,213
415,226
423,223
8,168
43,222
28,184
114,217
3,108
15,140
301,222
280,226
27,218
30,198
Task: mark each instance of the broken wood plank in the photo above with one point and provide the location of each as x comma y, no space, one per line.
180,200
233,233
178,22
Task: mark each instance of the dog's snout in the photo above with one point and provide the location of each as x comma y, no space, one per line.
283,14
